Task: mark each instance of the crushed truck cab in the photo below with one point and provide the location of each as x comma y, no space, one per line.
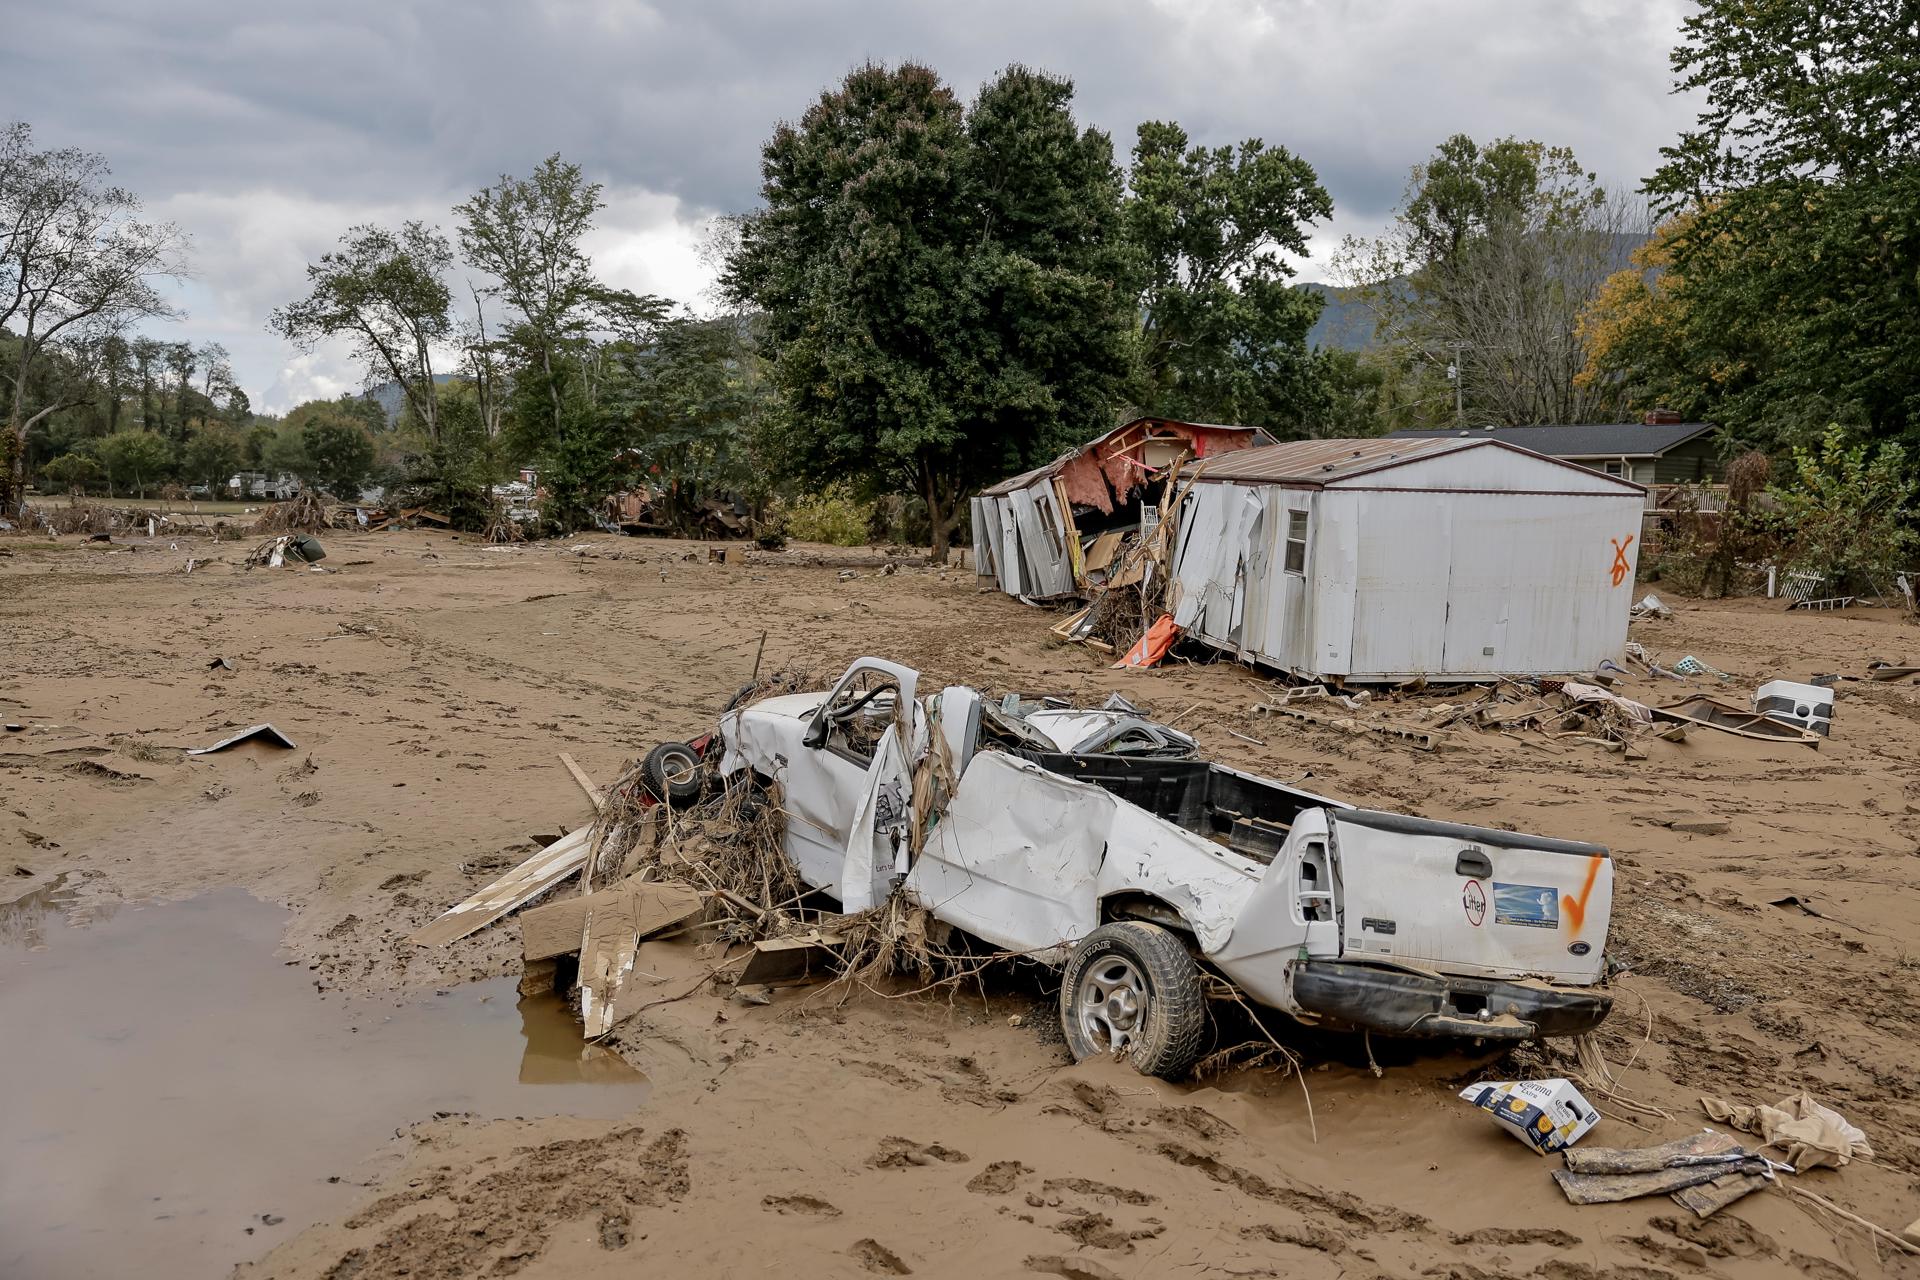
1334,914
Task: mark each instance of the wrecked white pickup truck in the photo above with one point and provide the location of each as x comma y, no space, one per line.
1099,841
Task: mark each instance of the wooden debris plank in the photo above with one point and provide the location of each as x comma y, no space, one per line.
1064,628
616,921
779,962
586,784
556,928
1424,739
519,886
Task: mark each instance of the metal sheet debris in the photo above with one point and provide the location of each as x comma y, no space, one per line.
264,732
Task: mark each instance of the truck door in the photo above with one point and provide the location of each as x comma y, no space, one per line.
828,782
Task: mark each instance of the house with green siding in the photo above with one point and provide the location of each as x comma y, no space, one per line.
1650,453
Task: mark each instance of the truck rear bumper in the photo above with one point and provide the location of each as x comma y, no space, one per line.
1401,1003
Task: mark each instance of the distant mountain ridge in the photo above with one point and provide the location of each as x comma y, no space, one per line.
1345,323
392,398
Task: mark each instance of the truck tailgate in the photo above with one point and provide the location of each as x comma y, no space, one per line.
1470,900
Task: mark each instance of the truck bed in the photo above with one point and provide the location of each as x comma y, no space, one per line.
1249,813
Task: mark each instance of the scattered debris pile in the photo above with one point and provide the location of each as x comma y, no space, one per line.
1586,711
309,512
665,848
1130,594
99,520
288,549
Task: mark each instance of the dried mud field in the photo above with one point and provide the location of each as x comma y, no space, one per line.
429,684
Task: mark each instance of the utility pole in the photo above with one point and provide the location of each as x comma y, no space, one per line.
1453,375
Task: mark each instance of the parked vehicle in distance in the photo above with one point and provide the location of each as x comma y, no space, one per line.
1102,842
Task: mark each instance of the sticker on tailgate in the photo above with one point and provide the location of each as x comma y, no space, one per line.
1533,906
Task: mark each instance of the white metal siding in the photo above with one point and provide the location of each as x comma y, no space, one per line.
980,509
1397,598
1416,570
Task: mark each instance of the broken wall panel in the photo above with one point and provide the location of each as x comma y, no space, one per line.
1045,556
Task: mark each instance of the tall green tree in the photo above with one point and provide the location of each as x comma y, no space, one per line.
1479,286
78,264
1223,334
386,291
211,455
339,454
1794,234
526,235
135,459
944,287
700,400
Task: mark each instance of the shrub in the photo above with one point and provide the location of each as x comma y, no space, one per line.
1846,511
834,516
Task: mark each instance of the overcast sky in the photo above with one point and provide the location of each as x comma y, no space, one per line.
266,129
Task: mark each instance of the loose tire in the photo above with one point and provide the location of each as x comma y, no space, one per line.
1132,988
674,773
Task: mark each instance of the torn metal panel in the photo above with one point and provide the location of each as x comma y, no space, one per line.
983,558
878,832
519,886
1016,856
1013,579
1207,883
1046,570
264,732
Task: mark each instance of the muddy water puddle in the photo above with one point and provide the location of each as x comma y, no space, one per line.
176,1098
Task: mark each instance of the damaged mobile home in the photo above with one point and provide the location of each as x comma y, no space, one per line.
1456,558
1058,530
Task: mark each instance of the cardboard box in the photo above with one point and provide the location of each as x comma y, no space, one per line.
1547,1115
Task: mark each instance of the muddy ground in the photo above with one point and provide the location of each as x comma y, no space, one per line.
431,681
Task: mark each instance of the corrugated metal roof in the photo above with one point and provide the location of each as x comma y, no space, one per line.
1580,440
1317,462
1026,478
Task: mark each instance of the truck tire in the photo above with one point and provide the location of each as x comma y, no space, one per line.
674,773
1131,987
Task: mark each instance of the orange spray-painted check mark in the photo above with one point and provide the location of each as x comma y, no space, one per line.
1576,908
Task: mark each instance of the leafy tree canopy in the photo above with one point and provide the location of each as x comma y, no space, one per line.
1223,334
943,285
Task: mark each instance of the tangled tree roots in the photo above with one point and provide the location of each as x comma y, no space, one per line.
305,514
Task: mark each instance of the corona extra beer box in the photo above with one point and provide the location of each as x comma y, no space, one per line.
1547,1115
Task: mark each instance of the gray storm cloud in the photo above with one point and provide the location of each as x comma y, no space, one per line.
266,130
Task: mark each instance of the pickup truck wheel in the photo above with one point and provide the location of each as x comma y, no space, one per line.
674,773
1132,988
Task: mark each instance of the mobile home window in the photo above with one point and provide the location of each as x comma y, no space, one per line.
1297,542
